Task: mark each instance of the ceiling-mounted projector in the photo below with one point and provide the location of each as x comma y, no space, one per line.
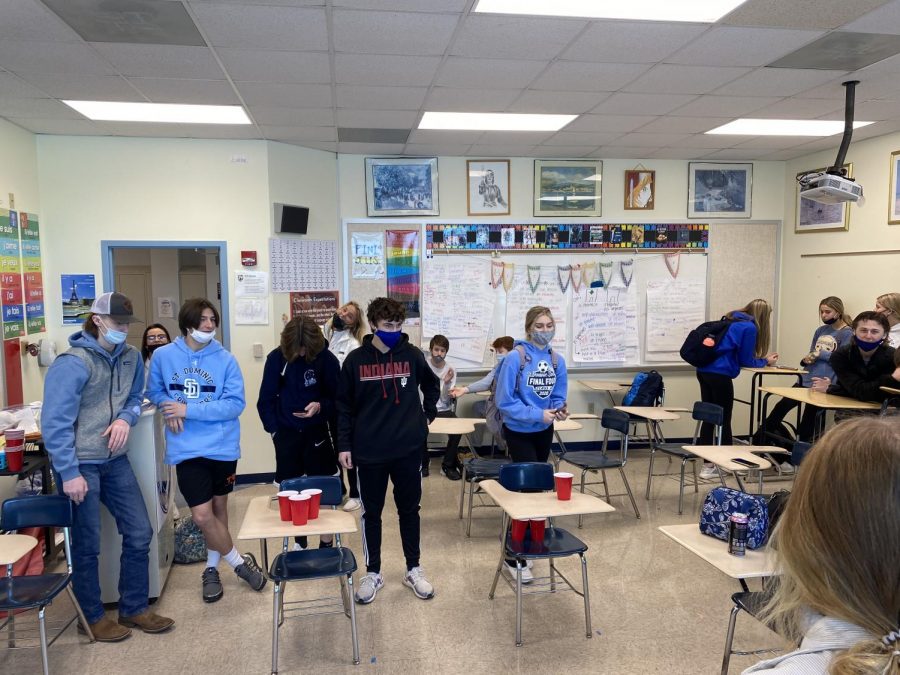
828,188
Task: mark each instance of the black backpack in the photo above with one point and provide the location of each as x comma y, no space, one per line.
701,346
646,389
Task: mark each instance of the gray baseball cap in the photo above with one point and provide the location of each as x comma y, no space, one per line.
116,306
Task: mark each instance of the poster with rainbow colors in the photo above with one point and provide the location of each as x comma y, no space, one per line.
403,270
35,321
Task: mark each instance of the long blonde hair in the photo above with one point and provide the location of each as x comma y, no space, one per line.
835,304
890,301
358,331
761,311
838,552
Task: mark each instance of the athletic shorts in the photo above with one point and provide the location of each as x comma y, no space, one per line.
200,479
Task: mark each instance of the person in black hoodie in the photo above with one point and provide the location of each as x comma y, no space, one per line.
297,404
382,427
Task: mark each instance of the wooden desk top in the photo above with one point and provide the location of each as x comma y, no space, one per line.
830,401
454,425
262,521
601,385
772,370
14,546
753,564
649,412
890,390
566,425
527,505
721,455
583,416
486,392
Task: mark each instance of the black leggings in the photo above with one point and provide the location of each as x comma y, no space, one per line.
532,446
807,428
718,389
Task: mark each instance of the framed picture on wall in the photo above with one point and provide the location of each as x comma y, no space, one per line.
402,186
567,187
817,217
894,191
488,187
640,190
718,190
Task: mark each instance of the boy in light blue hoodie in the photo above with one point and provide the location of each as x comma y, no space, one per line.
198,387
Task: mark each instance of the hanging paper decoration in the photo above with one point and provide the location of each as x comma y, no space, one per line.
533,285
605,270
626,271
574,273
508,278
673,261
560,276
496,278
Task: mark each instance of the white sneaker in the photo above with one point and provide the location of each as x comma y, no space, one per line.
368,587
527,576
709,472
786,467
298,547
352,504
416,580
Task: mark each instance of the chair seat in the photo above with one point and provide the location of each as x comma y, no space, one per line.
26,592
479,468
317,563
557,543
676,450
591,459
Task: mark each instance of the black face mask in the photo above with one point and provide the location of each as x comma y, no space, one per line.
337,322
152,348
828,322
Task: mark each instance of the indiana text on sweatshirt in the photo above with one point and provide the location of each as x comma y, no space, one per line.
209,382
522,399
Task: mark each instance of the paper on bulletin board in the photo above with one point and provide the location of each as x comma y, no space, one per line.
78,293
605,325
520,298
251,284
674,308
318,305
165,308
251,311
368,255
455,314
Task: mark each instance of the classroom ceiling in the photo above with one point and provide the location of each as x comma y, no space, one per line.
355,76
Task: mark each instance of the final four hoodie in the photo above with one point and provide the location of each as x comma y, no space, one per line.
523,400
209,381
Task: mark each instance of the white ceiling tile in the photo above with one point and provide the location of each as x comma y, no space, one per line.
383,69
620,152
438,6
285,3
877,129
582,76
275,116
798,109
769,142
669,79
513,37
733,155
315,145
712,141
405,33
641,140
621,123
446,99
200,92
144,130
435,150
161,61
52,57
29,20
562,151
490,150
556,102
579,138
444,137
286,95
102,88
291,133
276,66
224,131
26,87
724,106
777,82
642,104
373,149
870,111
516,137
823,14
42,108
632,41
731,46
80,127
488,73
684,125
681,153
782,155
377,119
380,98
291,28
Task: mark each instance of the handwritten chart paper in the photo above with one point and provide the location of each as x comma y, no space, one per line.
367,252
303,265
674,308
605,325
520,299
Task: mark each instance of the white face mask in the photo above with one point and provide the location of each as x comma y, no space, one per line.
202,337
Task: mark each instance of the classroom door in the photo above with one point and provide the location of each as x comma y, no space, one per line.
135,282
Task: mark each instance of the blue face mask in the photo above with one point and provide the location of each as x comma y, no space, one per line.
500,358
389,338
113,337
867,346
542,338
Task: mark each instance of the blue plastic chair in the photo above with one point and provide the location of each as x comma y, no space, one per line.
557,543
475,470
321,563
593,460
38,591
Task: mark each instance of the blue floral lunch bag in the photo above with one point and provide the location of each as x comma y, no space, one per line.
721,502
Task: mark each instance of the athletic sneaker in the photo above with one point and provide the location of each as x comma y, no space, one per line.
415,579
368,586
527,576
451,472
426,471
352,504
709,472
786,468
212,585
250,572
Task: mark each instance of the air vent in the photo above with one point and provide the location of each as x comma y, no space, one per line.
842,51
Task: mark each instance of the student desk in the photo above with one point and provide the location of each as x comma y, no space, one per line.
605,386
722,456
652,416
568,424
14,546
755,402
890,390
819,399
461,426
263,521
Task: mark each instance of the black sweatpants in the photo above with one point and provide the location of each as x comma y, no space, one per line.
718,389
304,453
405,474
531,446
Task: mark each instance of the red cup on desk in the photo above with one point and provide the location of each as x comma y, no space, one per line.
284,506
517,530
315,499
299,509
563,481
15,449
537,529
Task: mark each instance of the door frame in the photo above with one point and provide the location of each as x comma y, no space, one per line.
106,256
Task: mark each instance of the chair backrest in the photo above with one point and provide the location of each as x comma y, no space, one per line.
36,511
329,485
709,413
530,476
799,452
615,420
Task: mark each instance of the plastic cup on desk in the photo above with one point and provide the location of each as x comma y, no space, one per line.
537,529
517,530
315,499
299,509
563,480
284,506
15,458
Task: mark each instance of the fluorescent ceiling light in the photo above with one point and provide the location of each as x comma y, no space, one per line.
111,111
494,121
762,127
701,11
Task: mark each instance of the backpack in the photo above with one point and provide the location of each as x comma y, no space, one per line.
701,346
646,389
492,416
190,544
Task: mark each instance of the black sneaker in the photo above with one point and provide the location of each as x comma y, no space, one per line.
451,472
250,572
212,585
425,471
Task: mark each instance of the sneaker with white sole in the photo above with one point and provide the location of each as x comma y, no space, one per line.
415,579
527,576
368,586
352,504
786,468
250,572
709,472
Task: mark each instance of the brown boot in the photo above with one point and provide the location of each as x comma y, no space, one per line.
147,621
107,630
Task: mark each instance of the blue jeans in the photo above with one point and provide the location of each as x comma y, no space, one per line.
113,484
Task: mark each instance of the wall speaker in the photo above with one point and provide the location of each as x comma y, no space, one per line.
291,219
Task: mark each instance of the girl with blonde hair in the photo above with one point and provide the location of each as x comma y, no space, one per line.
889,306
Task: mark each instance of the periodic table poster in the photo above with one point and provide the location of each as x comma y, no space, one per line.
35,321
13,311
303,265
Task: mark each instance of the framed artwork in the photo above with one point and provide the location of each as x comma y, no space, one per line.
894,191
567,187
816,217
719,190
488,187
640,190
402,186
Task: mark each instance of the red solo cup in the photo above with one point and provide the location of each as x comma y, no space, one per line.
315,499
284,506
518,529
299,509
563,481
14,434
14,458
537,529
